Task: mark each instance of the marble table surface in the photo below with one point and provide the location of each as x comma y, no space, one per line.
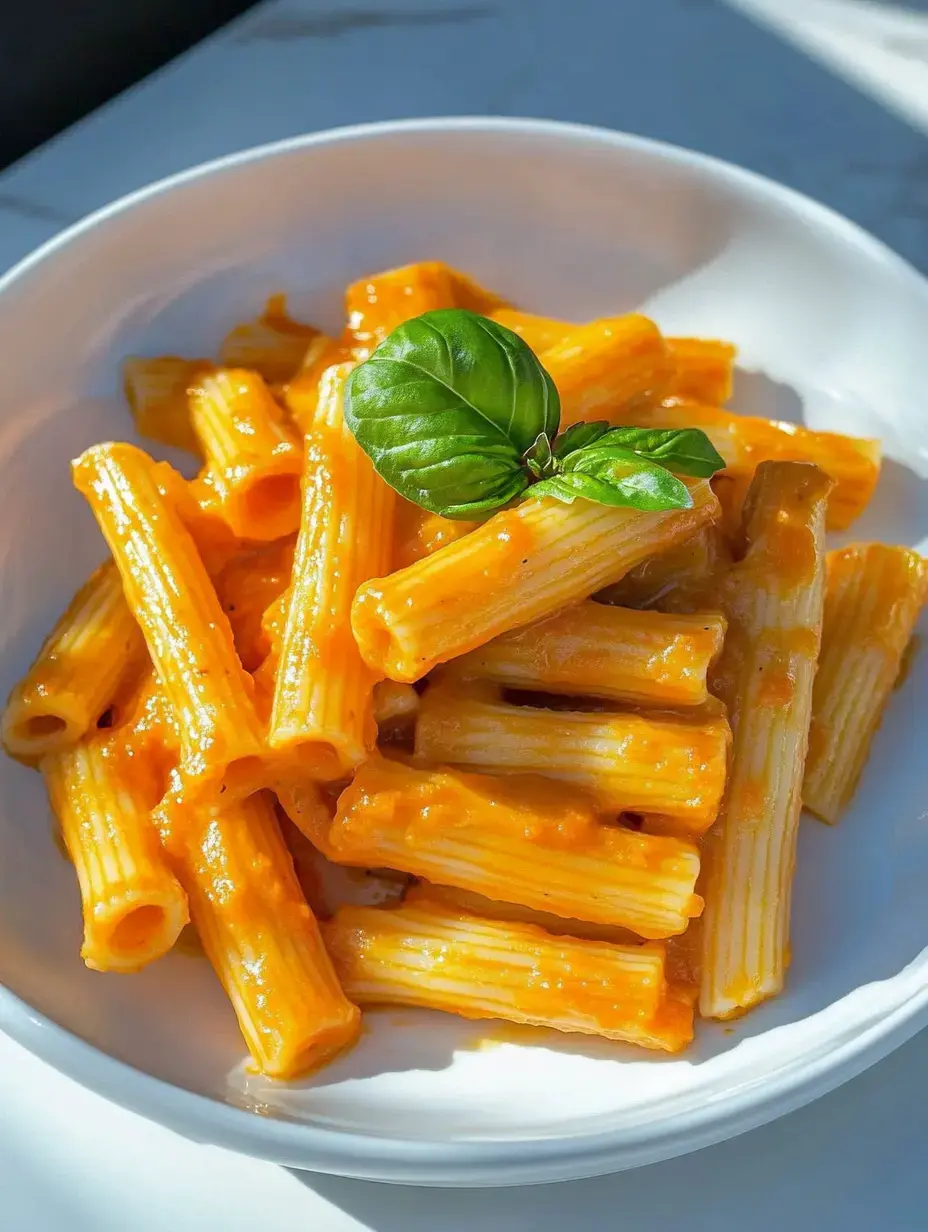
829,96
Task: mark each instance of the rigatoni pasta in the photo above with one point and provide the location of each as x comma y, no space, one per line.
743,441
157,391
430,956
375,306
261,936
95,645
550,683
188,637
323,694
521,565
273,345
607,366
595,650
525,840
873,596
640,763
703,370
251,454
133,905
774,598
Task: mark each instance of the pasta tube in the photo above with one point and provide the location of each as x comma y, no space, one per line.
261,937
420,533
94,646
608,365
157,393
133,905
774,599
247,587
305,805
301,395
539,333
522,564
322,699
472,903
631,762
685,578
273,345
430,956
253,460
198,507
678,961
873,596
610,652
188,636
703,370
394,701
376,305
524,840
853,463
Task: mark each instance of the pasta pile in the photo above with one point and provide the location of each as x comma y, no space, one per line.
580,735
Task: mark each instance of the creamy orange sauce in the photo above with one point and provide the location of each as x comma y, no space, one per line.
375,306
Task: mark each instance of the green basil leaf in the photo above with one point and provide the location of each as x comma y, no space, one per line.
686,450
579,435
539,459
616,476
446,409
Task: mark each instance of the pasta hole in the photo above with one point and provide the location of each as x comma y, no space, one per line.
243,776
273,502
44,726
136,930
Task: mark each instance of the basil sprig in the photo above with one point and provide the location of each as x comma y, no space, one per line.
458,415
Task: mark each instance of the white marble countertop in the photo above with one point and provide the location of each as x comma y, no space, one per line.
830,96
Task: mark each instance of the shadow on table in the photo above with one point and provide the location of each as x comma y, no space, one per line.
849,1161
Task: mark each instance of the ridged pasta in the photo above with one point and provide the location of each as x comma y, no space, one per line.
873,597
157,392
248,585
743,441
323,694
683,579
774,599
252,456
95,646
703,370
273,345
539,333
472,903
608,366
419,533
595,650
261,936
430,956
133,905
679,964
519,566
394,701
639,763
375,306
188,636
524,840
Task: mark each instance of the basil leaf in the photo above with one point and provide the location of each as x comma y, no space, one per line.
616,476
686,450
447,407
579,435
539,459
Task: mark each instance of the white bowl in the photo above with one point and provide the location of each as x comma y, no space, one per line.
567,221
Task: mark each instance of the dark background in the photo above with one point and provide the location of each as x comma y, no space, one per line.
60,59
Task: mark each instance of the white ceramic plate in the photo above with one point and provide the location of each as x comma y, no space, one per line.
568,221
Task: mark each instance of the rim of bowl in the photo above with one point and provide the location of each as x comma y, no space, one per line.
518,1161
